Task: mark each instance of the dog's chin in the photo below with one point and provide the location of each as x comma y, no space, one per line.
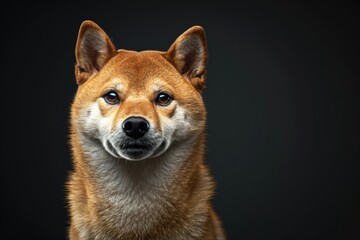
139,151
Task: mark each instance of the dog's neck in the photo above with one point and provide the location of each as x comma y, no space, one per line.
139,196
138,180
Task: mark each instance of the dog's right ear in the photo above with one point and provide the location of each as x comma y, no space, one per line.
93,49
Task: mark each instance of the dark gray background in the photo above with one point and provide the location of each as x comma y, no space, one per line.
283,110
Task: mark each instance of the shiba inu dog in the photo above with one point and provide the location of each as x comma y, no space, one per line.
137,137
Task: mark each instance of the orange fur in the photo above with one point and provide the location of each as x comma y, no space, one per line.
167,195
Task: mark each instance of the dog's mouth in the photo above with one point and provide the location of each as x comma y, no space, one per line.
135,149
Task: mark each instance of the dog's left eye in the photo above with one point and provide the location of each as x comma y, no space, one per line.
163,99
112,98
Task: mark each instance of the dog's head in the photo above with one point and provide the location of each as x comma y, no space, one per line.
137,104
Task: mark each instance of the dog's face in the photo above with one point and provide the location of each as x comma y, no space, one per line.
137,104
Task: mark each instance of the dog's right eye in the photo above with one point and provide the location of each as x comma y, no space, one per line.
112,98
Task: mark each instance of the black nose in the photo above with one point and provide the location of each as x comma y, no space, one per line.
136,127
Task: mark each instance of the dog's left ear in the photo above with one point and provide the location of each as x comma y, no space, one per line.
189,56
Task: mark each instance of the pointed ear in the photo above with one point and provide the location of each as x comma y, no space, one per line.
189,56
93,49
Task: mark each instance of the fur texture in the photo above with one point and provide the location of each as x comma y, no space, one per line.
164,190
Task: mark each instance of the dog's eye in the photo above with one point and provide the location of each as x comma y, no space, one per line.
112,98
163,99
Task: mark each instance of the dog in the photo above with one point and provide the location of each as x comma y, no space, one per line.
137,134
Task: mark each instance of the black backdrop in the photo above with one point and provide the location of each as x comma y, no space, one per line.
283,110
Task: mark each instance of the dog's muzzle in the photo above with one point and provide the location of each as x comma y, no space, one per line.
135,140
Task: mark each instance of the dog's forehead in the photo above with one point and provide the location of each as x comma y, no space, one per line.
141,66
